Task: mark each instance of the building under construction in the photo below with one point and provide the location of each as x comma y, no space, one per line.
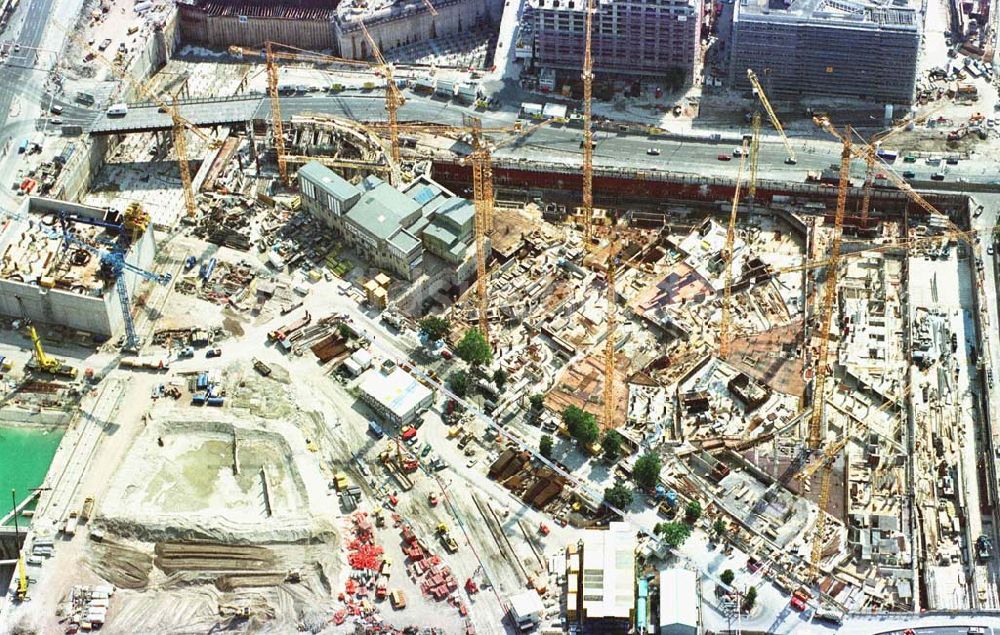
47,279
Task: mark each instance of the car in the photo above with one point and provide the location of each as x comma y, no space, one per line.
951,160
56,109
724,157
990,250
737,152
471,463
790,161
909,174
104,44
213,352
653,152
909,159
55,121
446,354
593,144
937,176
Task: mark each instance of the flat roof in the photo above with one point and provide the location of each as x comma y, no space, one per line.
678,597
382,209
397,390
609,571
862,13
328,180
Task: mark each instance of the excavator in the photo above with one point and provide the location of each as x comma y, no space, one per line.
45,363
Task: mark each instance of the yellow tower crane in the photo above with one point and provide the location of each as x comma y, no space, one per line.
393,98
725,326
754,154
759,90
588,133
273,52
482,188
179,124
815,437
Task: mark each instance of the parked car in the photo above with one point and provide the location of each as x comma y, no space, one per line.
653,152
724,157
213,352
937,176
909,174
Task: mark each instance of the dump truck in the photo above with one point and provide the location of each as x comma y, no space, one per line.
88,509
446,539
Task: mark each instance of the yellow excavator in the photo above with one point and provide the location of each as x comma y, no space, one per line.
45,363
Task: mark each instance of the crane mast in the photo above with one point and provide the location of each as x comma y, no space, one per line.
724,323
612,325
393,100
483,202
815,437
588,134
276,125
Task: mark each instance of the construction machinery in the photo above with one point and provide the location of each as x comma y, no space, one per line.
44,362
815,435
449,542
179,124
867,153
725,326
482,188
393,98
588,133
759,91
274,51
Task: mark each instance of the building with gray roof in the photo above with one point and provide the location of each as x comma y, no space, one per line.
390,228
859,49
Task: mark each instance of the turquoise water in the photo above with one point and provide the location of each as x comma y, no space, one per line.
25,456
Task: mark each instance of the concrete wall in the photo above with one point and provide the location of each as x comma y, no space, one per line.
220,31
101,315
412,22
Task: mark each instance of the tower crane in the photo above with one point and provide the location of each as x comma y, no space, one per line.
293,54
759,90
588,133
755,124
482,188
611,321
727,255
179,124
871,159
867,153
815,436
393,98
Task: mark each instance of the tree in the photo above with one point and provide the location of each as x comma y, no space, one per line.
474,349
458,382
500,378
537,401
646,472
674,534
545,446
750,598
435,327
692,512
719,527
618,495
612,445
727,576
573,418
674,78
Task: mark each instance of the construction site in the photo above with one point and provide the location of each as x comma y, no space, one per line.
344,345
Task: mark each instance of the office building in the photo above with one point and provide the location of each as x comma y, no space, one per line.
639,38
827,48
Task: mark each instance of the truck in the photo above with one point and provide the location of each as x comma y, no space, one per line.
283,332
397,599
88,509
261,367
117,110
70,527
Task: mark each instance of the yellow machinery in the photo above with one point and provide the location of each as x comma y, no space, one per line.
393,98
179,124
588,134
48,364
759,90
725,321
293,54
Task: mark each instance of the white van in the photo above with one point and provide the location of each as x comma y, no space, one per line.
118,110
